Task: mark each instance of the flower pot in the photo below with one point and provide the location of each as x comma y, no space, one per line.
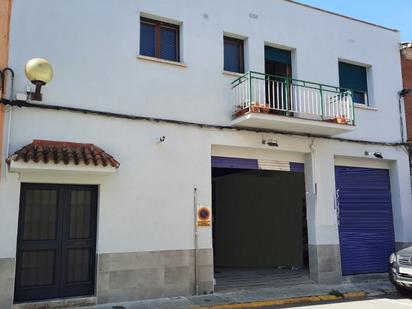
255,108
265,108
341,120
241,111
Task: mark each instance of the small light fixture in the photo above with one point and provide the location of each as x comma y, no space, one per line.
404,92
378,155
39,72
270,142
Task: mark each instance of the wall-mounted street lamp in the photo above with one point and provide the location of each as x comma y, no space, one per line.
39,72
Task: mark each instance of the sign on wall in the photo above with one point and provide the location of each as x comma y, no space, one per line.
203,217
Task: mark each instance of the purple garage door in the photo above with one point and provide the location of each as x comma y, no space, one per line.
252,164
365,219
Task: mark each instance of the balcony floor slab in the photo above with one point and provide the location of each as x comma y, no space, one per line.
290,124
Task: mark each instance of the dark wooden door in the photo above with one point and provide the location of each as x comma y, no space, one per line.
56,241
278,72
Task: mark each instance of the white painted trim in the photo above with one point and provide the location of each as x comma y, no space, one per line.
235,74
25,167
362,162
365,107
158,60
257,153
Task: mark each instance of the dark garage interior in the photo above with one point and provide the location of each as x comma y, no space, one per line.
259,226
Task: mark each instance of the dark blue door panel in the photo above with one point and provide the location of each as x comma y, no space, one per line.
227,162
365,219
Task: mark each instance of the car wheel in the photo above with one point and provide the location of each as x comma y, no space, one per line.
404,291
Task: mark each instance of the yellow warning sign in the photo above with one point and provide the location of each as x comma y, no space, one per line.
203,216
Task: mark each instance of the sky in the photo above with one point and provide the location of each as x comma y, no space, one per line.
395,14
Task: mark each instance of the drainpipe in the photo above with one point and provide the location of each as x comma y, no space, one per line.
402,94
196,241
5,15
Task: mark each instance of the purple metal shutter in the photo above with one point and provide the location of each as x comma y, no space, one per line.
297,167
227,162
366,232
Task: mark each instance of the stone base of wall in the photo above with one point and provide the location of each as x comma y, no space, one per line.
142,275
7,270
325,264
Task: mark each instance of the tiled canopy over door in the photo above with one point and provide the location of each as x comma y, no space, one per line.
56,241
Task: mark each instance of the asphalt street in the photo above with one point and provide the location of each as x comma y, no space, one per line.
392,302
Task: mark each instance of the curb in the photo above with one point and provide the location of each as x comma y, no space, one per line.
286,301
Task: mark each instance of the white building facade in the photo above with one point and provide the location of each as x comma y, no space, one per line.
344,142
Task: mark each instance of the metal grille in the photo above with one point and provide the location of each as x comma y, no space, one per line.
80,214
37,268
40,215
78,268
405,260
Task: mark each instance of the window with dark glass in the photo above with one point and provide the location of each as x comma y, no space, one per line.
159,39
233,55
354,77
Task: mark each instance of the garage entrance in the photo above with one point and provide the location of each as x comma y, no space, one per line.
366,233
259,223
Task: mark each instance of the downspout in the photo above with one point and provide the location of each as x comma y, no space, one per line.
196,231
402,94
5,16
401,116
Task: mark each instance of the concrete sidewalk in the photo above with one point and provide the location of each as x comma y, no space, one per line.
373,285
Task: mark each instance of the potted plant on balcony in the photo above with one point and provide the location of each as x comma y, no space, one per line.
241,110
338,119
255,108
342,119
264,108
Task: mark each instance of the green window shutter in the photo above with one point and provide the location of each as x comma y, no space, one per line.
278,55
352,77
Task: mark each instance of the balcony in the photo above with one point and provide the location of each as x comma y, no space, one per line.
284,104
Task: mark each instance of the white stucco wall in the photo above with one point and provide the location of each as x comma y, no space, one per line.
148,204
93,48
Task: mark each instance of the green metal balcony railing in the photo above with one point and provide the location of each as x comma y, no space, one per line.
264,93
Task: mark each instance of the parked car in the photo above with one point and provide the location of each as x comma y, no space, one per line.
400,270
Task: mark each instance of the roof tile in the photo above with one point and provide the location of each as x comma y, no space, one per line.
67,152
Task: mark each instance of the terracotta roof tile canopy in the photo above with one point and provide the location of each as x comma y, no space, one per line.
63,152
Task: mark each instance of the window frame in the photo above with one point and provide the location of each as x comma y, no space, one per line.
241,45
158,25
359,91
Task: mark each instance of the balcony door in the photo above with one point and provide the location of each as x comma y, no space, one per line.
278,67
56,245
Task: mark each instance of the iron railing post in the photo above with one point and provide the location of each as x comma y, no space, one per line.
352,107
321,102
250,89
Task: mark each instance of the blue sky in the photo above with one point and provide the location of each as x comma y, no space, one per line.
395,14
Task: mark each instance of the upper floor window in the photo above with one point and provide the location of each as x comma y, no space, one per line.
159,39
354,77
233,55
